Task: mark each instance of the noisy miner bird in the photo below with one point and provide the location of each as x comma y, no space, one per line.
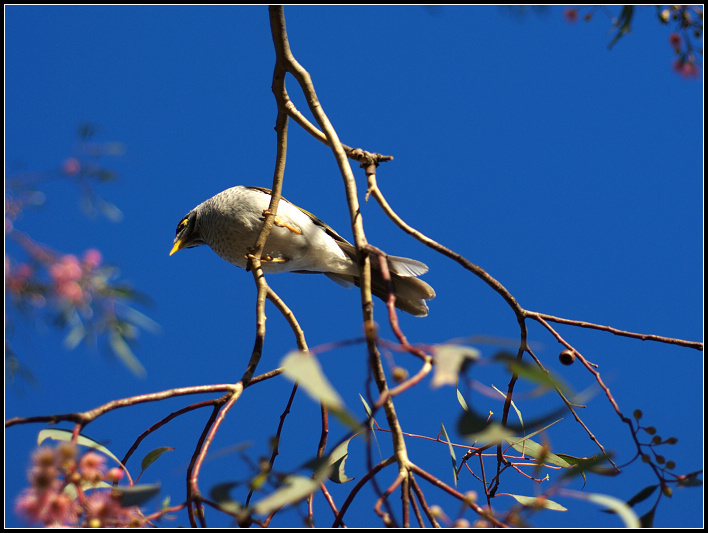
231,221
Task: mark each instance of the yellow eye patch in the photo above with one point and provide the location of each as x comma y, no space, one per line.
182,224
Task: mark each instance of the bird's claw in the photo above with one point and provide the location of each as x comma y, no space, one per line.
265,258
278,222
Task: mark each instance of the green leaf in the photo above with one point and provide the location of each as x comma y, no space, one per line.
477,429
368,411
588,464
537,502
449,359
642,495
452,453
121,349
111,211
371,423
75,336
518,413
152,456
140,319
305,370
474,427
622,510
336,460
537,451
220,493
461,399
533,373
137,495
66,436
72,492
647,519
623,24
294,489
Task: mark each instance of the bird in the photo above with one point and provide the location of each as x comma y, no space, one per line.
230,222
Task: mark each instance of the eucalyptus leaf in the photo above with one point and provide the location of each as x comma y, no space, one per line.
67,436
518,413
121,349
537,451
294,489
461,400
137,494
337,458
533,373
642,495
452,453
538,502
152,456
305,369
616,505
449,359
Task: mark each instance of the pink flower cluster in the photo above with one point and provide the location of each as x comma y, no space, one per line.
17,278
685,65
47,501
72,280
571,15
70,276
71,166
687,68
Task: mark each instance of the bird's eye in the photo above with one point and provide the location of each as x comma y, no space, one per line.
182,224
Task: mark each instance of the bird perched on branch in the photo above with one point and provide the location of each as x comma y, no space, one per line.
231,221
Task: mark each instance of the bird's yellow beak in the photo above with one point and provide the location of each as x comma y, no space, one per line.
177,247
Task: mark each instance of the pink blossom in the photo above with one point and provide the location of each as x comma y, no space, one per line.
103,509
675,41
51,508
66,455
92,466
23,272
687,69
16,278
44,478
92,258
66,269
71,166
29,506
70,291
61,510
45,502
44,457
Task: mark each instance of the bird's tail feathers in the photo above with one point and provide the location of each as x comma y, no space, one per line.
410,291
406,267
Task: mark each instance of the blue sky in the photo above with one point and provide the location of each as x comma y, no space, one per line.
572,173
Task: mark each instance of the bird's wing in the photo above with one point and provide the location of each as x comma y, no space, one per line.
401,265
336,236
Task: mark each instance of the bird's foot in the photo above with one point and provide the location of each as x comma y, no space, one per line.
279,222
265,258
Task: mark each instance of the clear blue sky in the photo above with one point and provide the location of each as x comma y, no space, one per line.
572,173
